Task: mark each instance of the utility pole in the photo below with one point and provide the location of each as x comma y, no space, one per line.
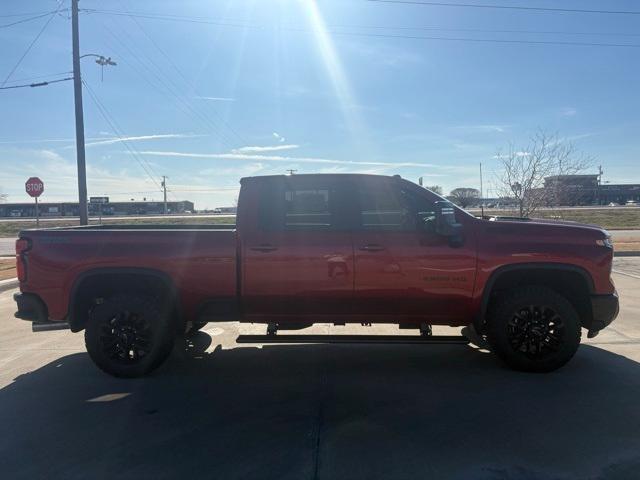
481,194
291,171
600,172
77,92
164,189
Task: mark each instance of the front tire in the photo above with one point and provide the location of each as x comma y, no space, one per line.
533,329
129,335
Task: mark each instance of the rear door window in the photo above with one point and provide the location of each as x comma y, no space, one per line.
304,204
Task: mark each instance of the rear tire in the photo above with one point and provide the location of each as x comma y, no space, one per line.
129,335
533,329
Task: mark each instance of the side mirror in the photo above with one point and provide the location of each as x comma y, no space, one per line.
446,224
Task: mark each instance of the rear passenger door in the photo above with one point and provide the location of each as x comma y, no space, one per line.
402,267
298,258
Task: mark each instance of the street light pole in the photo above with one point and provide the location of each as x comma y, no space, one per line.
77,91
164,189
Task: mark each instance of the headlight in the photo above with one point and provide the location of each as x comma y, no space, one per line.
605,242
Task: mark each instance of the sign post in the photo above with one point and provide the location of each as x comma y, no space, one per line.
100,201
34,187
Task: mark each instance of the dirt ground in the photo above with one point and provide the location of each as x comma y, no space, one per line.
7,268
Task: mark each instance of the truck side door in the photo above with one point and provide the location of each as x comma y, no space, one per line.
402,267
297,259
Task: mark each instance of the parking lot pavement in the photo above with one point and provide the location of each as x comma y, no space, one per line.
627,266
220,410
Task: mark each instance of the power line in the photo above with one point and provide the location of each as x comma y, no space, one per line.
186,80
493,40
25,20
37,77
171,88
25,14
109,119
509,7
399,36
39,84
33,42
485,30
175,90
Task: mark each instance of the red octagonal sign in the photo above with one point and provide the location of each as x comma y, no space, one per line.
34,187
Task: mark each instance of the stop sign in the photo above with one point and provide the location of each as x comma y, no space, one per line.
34,187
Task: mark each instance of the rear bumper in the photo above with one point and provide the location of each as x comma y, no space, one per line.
30,307
605,309
33,309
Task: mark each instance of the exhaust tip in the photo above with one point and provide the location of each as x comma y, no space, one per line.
48,326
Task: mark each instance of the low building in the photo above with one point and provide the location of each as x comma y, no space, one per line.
71,209
569,190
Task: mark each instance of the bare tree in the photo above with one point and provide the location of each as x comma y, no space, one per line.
435,189
464,196
524,171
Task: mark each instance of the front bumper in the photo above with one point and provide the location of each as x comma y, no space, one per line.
604,309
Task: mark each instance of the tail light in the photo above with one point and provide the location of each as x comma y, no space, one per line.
22,246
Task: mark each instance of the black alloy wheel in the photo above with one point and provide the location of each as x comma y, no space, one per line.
533,328
129,335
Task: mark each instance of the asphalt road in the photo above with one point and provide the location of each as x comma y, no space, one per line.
221,410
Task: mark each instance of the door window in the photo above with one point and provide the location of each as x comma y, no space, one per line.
389,206
307,208
303,204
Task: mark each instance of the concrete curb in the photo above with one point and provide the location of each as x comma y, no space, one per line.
9,284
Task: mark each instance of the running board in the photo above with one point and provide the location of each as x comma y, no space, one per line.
412,339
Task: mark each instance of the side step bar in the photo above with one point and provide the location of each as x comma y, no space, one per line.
411,339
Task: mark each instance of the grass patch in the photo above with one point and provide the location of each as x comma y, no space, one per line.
609,218
618,219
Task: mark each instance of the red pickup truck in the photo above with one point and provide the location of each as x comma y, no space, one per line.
322,249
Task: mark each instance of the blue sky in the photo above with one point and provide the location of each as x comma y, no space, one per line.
325,86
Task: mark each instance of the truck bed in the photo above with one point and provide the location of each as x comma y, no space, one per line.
200,260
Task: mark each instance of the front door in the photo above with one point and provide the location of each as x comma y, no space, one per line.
298,259
403,269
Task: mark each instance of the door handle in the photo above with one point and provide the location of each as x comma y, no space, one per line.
264,248
372,247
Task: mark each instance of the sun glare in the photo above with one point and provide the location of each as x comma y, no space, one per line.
336,73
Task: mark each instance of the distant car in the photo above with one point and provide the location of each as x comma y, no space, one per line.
613,204
631,203
15,213
217,210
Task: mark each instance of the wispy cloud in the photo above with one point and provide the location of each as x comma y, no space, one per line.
139,138
273,148
484,128
217,99
515,154
278,158
568,112
278,137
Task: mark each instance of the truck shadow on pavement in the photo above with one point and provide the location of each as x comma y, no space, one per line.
325,411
